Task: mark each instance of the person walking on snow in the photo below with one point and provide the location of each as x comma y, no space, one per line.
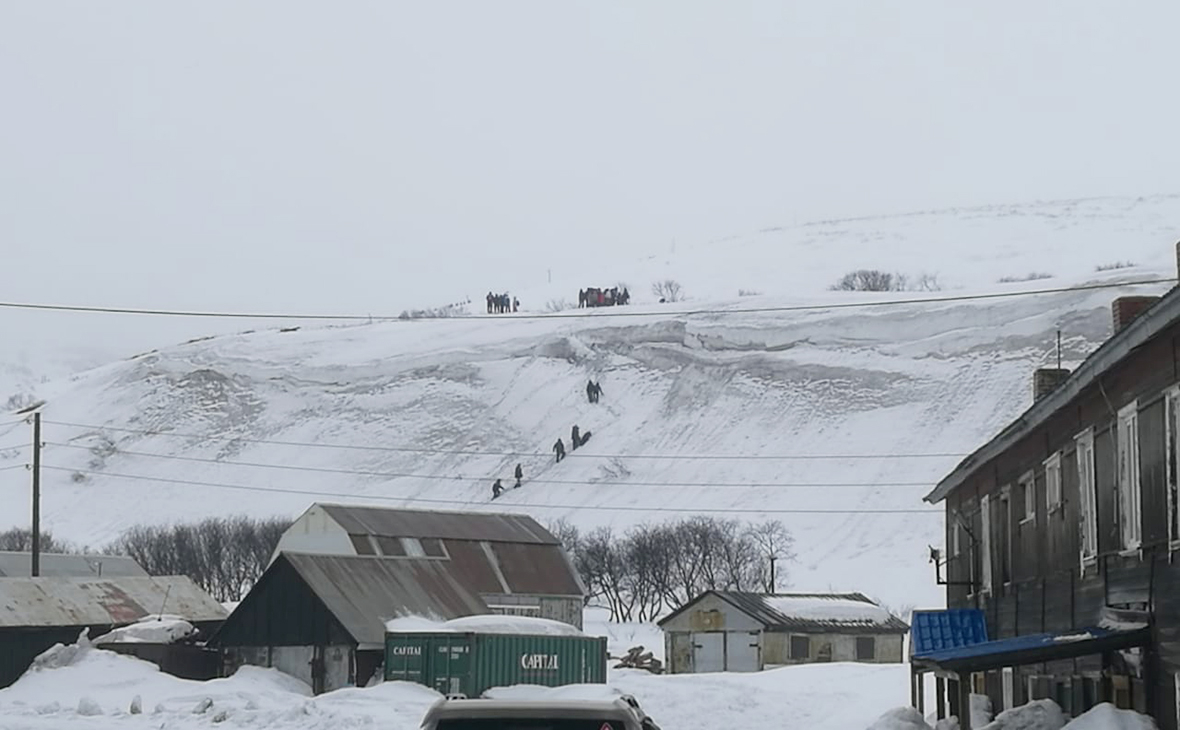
559,449
519,476
575,439
489,302
597,392
590,390
515,304
497,489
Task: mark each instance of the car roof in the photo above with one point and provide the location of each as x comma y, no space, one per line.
594,709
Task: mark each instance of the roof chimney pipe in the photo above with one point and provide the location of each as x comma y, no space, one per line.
1047,380
1125,309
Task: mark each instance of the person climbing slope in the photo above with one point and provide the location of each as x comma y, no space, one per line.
497,489
575,439
519,476
559,449
590,390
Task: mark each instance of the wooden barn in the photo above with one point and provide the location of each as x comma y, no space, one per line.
728,631
1064,531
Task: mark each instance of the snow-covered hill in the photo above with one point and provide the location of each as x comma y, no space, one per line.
708,408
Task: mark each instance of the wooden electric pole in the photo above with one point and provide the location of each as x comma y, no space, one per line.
36,559
773,584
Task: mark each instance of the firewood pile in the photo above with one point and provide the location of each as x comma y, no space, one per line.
637,658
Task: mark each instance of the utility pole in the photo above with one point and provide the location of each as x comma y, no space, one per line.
36,560
773,584
1059,349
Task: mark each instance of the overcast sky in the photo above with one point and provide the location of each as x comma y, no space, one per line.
368,156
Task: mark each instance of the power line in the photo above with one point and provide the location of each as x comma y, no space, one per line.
440,477
13,466
476,452
571,315
425,500
14,447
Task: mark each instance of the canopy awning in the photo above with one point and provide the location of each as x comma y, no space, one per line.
1032,649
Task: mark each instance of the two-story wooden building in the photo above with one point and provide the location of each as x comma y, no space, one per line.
1064,530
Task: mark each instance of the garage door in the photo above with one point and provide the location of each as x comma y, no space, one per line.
741,652
708,652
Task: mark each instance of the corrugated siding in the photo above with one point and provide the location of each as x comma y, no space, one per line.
53,565
538,569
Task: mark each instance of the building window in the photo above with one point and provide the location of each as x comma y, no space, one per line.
1004,536
391,546
1173,431
362,544
866,648
433,547
1088,498
955,537
1028,492
800,647
1130,518
985,510
1053,483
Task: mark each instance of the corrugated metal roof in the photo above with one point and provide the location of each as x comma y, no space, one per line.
1033,649
446,525
363,592
33,602
947,629
53,565
774,614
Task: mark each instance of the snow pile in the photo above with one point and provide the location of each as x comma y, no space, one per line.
1069,638
901,718
483,624
838,610
1036,715
622,637
1108,717
150,630
63,655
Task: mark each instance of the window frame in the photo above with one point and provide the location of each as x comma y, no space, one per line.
792,654
1088,498
985,509
872,655
1053,492
1130,483
1028,495
1172,482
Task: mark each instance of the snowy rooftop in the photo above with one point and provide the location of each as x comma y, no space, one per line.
810,611
484,624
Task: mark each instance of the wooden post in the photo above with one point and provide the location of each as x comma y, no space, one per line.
36,556
964,701
940,696
922,694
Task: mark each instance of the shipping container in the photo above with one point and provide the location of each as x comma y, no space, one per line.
470,663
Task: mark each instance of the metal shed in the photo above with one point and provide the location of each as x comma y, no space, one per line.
726,631
36,613
321,618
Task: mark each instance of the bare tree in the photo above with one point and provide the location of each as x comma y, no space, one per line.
773,542
870,280
20,539
668,290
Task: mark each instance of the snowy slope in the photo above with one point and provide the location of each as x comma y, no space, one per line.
430,405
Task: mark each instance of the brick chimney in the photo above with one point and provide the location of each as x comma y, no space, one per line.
1125,309
1047,380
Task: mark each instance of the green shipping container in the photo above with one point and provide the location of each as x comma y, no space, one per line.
470,663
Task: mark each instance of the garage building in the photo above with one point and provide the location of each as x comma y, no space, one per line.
726,631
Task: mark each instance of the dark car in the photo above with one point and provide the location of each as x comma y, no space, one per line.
485,714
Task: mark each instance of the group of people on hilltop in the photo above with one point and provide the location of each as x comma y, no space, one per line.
578,438
592,297
502,303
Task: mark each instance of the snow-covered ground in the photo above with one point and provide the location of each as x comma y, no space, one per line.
835,421
91,688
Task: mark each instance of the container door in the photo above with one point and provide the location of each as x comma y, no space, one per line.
708,652
741,652
405,659
450,665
